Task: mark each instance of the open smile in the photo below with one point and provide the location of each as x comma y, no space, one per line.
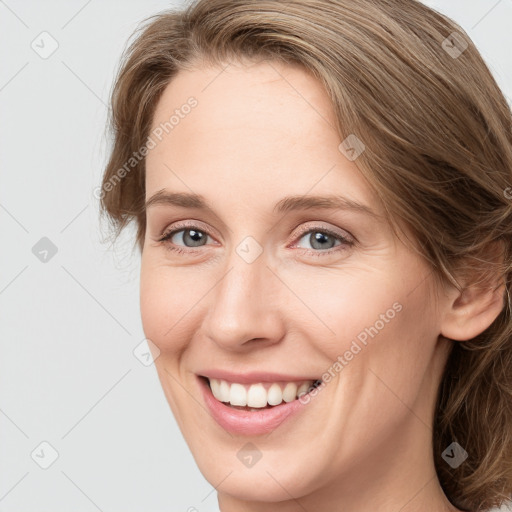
253,408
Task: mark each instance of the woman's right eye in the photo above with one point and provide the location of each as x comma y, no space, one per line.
191,237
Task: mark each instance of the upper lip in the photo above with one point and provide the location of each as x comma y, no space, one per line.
253,377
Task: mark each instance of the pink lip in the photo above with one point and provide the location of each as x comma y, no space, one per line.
238,421
253,377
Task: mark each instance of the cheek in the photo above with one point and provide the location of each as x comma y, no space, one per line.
345,305
391,340
164,302
370,318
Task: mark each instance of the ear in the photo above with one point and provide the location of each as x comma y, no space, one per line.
470,312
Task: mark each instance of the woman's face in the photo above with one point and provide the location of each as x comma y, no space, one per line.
266,290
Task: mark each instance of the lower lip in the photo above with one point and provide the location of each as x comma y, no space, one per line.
249,423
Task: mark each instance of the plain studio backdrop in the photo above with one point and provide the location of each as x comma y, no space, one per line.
84,424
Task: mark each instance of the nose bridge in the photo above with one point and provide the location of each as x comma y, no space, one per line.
243,303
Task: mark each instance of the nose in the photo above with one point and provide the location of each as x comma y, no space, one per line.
245,306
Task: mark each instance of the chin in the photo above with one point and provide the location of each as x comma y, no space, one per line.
254,484
273,478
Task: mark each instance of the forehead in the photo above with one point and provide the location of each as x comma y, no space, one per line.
232,89
258,126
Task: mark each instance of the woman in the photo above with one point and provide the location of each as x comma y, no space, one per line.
322,196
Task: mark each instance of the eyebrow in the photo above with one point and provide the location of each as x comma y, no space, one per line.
285,205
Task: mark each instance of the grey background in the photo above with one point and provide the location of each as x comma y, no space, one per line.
68,374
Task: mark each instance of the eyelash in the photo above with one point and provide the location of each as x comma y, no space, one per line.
345,242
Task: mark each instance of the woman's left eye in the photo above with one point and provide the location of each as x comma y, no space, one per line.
321,240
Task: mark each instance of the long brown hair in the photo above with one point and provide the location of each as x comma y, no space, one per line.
437,130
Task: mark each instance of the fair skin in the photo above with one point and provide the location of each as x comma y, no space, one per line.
364,441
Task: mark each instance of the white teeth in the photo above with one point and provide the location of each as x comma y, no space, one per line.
237,395
220,390
215,385
290,392
258,395
224,391
275,395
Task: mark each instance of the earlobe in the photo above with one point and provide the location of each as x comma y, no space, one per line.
472,311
